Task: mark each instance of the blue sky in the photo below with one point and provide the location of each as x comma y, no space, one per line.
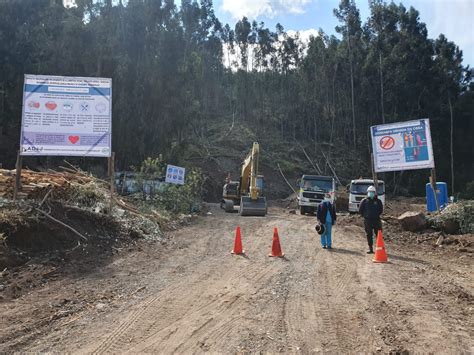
454,18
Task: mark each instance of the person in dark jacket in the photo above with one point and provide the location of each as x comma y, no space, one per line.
371,208
327,216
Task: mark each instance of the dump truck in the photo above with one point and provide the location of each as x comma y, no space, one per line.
247,193
312,191
358,191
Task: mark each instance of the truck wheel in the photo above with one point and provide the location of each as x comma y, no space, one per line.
228,206
302,210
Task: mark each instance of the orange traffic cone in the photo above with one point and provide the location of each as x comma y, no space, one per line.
276,248
380,254
238,243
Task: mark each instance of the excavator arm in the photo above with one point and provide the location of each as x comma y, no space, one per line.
248,176
251,201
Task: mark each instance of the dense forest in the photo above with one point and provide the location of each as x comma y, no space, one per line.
179,74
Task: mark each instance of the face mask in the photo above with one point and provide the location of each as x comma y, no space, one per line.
371,194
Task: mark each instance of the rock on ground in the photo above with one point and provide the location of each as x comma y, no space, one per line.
413,221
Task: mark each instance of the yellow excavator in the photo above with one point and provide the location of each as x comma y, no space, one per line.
247,193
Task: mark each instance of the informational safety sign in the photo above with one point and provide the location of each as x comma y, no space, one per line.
402,146
66,116
175,174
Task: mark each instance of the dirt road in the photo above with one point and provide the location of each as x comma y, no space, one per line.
193,296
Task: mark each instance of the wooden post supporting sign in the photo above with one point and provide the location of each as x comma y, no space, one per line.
111,171
17,176
374,174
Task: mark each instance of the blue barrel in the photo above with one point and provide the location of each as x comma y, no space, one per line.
441,192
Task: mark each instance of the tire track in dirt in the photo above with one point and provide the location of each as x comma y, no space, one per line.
335,275
402,315
304,322
205,320
142,325
213,330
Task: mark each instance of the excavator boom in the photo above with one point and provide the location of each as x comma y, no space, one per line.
249,193
251,201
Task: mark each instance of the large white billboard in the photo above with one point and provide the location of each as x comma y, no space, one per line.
66,116
402,146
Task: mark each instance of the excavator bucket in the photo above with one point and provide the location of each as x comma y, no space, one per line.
249,207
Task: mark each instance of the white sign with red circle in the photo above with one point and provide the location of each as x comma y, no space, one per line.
402,146
387,142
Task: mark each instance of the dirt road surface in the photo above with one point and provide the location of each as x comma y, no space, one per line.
193,296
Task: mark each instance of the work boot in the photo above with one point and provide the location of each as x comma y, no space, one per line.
371,250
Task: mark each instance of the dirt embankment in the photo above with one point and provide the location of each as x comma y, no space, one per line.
37,250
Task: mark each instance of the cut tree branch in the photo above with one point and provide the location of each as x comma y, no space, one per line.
317,168
47,215
281,172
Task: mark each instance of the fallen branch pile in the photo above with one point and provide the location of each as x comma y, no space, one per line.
35,184
70,185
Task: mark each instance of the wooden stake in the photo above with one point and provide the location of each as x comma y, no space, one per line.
112,181
18,176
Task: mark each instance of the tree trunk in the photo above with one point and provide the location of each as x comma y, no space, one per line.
353,110
451,144
352,95
381,87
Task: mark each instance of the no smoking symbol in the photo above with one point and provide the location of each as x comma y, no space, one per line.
387,142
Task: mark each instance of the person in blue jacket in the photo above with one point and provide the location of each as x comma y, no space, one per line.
327,216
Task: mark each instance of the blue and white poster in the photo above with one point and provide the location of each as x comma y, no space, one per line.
402,146
66,116
175,174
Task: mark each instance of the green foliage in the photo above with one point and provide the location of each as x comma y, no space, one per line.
86,195
461,214
153,166
182,198
169,197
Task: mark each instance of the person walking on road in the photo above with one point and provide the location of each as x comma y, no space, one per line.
327,217
371,208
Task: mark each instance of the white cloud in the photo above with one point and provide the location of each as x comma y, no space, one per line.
269,8
69,3
304,35
232,59
453,18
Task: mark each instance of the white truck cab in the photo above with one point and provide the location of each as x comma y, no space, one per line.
312,190
358,191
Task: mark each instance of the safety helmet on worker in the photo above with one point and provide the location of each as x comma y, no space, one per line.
371,192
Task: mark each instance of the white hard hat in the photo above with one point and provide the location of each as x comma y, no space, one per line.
371,188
